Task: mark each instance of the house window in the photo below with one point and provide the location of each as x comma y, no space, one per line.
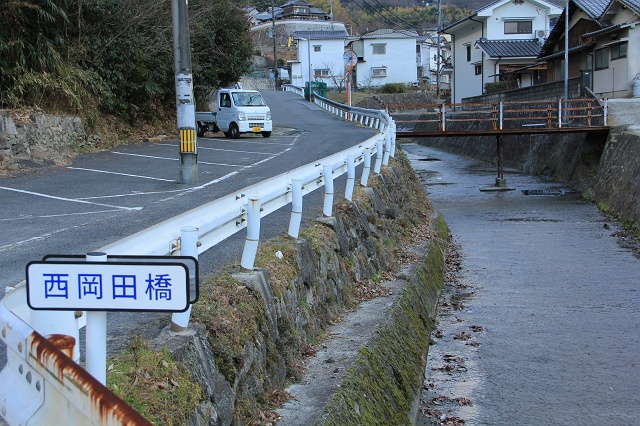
618,51
468,53
378,72
602,59
317,48
379,49
321,73
518,27
478,69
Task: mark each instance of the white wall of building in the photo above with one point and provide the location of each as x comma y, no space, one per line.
329,57
399,61
465,81
528,11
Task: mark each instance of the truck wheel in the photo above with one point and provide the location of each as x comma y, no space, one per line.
234,132
266,134
201,129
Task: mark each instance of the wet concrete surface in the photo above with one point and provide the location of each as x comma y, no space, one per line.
540,321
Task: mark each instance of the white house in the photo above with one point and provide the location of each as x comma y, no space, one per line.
385,56
602,38
320,55
427,58
498,40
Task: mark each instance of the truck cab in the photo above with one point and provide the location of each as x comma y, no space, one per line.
242,111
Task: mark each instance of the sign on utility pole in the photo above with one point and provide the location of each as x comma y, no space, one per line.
185,102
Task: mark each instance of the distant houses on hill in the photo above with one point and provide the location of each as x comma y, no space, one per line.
503,45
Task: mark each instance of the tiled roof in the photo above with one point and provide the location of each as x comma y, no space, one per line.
320,35
388,33
580,47
509,48
632,4
602,31
290,3
593,8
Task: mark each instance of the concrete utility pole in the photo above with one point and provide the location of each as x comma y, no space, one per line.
438,54
273,31
566,51
185,102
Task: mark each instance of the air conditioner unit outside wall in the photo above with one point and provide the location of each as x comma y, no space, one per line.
541,33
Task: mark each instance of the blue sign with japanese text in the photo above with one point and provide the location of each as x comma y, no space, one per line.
108,286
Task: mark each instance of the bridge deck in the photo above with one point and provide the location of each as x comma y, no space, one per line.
504,132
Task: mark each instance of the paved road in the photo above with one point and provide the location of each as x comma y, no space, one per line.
102,197
546,292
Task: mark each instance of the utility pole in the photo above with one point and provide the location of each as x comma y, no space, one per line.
438,54
273,32
566,51
185,102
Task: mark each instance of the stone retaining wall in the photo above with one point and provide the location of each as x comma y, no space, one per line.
40,139
617,183
310,287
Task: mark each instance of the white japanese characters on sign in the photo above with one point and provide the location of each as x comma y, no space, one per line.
108,286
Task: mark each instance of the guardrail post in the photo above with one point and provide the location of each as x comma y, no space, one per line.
188,247
444,117
328,190
387,149
378,165
296,208
393,139
501,115
351,177
96,333
367,167
559,113
605,112
253,233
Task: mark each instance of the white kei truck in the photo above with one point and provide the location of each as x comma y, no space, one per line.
236,111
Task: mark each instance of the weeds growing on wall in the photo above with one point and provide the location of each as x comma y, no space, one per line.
150,381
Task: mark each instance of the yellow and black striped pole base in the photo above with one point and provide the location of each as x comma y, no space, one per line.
188,140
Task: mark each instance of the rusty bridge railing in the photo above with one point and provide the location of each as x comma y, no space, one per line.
552,114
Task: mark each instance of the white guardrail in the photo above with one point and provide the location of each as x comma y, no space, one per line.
41,380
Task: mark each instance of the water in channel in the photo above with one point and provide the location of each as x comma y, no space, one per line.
540,323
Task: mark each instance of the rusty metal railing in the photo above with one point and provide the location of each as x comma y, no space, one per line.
583,112
42,385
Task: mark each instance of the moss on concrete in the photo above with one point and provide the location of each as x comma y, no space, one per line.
382,386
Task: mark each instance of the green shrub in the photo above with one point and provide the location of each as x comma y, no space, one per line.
393,88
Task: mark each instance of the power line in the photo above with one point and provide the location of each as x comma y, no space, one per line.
368,12
391,12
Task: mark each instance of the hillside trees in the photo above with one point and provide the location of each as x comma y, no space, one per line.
115,56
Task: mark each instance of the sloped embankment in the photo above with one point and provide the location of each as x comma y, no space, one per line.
255,331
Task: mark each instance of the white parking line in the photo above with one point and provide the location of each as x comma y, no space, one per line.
145,156
41,216
221,164
120,174
246,140
220,149
174,159
68,199
133,194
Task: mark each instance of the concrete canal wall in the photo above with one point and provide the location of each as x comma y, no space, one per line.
604,167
